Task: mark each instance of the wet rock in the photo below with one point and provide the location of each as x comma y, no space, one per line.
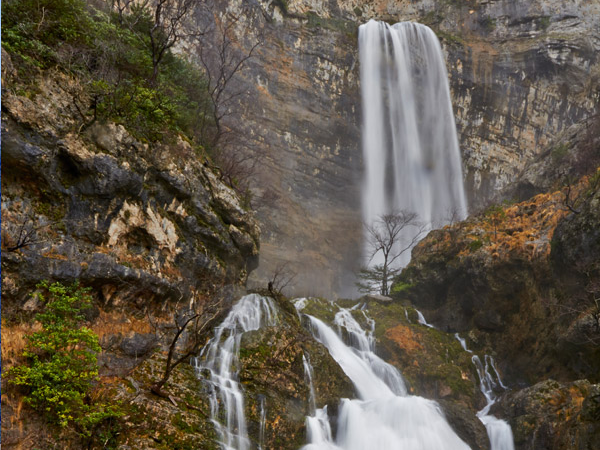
552,415
138,344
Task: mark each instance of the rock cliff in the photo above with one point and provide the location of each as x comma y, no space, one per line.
137,221
520,74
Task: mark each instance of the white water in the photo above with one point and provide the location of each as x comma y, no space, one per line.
220,357
499,432
410,147
308,373
421,319
383,417
263,421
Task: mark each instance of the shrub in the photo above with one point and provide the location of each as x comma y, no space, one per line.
62,361
475,245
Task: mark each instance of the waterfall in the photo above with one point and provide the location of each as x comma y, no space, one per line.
308,374
220,356
499,432
410,147
384,416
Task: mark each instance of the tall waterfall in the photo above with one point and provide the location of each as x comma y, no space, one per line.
411,155
384,416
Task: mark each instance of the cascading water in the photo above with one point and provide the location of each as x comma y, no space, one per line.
499,432
384,417
220,357
410,147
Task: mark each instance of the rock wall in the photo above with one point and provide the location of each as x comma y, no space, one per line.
520,75
136,221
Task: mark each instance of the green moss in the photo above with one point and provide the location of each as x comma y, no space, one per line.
432,17
321,309
543,22
452,39
347,27
559,152
51,211
475,245
488,24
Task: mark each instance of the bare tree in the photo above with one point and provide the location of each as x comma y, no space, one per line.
196,324
282,277
223,59
391,235
22,235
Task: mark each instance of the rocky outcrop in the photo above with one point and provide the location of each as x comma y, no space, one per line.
273,375
520,280
146,225
520,74
552,415
137,221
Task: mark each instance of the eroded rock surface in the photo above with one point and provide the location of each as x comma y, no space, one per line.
136,221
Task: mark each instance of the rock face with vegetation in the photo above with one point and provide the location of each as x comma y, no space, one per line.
552,415
104,184
133,219
273,373
522,75
521,282
501,277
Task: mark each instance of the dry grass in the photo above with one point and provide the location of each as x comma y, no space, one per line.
13,342
116,323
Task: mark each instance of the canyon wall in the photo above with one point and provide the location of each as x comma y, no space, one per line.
521,74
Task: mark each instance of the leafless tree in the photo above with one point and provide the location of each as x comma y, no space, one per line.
283,276
196,324
391,235
167,29
24,234
223,59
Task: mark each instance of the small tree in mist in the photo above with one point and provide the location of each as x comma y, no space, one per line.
385,236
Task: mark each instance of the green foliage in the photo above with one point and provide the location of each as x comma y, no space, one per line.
560,151
475,245
376,279
62,361
34,28
488,24
112,54
400,287
495,215
544,22
283,5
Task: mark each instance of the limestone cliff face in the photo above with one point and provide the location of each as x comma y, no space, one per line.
521,73
136,221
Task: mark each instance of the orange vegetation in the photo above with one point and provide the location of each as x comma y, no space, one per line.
116,323
404,337
524,229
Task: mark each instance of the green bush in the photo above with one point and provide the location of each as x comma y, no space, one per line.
62,361
112,55
475,245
